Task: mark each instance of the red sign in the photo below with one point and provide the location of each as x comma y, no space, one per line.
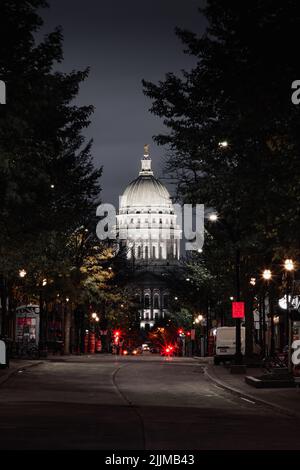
238,309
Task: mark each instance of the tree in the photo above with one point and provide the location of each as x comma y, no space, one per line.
48,184
238,93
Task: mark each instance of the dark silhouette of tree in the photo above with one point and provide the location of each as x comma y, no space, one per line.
238,94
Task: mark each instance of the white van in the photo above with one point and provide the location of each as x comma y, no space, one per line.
225,343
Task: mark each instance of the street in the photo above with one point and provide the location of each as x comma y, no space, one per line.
146,402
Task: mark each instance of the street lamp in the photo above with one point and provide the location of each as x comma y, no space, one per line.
267,276
213,217
94,315
223,144
289,267
22,273
199,318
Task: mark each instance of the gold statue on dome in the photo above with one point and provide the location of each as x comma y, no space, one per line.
146,150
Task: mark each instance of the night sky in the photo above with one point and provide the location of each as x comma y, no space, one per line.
122,42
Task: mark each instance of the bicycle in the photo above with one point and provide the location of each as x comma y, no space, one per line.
276,361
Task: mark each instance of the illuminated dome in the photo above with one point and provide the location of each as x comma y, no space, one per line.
146,220
146,192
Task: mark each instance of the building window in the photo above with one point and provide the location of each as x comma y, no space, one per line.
139,252
166,301
146,252
153,252
147,301
156,301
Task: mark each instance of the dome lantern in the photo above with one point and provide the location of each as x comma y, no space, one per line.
146,163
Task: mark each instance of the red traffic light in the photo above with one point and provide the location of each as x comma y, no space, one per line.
117,333
168,350
180,331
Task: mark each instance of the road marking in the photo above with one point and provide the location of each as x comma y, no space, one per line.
249,401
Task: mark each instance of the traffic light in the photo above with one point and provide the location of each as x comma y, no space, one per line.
169,350
116,334
180,331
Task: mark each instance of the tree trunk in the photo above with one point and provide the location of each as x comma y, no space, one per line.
67,330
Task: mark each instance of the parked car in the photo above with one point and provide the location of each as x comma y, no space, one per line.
225,343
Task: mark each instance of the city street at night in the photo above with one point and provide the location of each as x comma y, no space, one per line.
146,402
149,232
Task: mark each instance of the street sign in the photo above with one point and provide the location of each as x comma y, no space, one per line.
238,309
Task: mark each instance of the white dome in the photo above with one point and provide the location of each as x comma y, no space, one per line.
147,192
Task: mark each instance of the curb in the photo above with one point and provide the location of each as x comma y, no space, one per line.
242,394
17,369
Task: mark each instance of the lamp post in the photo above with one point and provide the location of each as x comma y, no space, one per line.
238,350
267,276
289,267
214,217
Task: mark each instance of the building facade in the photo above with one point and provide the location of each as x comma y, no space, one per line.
147,226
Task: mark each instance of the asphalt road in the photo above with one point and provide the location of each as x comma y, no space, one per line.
134,403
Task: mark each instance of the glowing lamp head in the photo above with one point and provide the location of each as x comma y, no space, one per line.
289,265
223,144
94,315
267,275
22,273
213,217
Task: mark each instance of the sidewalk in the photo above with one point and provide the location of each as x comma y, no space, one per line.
15,366
285,400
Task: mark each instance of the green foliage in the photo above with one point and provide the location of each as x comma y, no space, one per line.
239,92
